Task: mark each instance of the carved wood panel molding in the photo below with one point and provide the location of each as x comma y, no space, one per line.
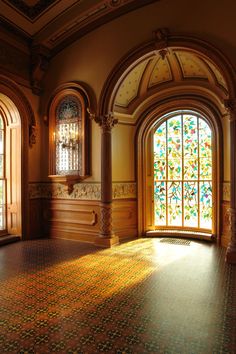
81,191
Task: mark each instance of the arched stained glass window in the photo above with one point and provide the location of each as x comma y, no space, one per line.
183,172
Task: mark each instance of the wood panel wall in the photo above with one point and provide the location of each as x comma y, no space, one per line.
35,218
80,219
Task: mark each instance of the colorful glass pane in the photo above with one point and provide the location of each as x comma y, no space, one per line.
190,169
160,142
174,203
174,169
183,171
190,136
160,203
205,145
205,168
159,168
174,127
205,205
191,204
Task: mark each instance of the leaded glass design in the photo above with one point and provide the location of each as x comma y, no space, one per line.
67,133
183,172
2,176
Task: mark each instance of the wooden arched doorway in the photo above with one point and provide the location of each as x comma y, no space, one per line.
18,124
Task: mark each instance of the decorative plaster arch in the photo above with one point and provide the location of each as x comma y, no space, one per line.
150,117
162,39
199,98
21,108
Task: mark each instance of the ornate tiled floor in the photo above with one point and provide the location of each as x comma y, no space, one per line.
145,296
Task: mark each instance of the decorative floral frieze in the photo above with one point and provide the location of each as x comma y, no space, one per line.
226,191
124,190
81,191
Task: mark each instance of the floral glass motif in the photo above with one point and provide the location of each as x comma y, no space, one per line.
67,132
183,172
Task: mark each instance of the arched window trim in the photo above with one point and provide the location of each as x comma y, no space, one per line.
68,178
160,122
152,117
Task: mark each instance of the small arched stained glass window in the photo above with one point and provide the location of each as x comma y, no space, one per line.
68,132
183,172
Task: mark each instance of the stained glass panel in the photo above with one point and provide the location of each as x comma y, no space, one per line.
205,205
191,204
174,203
190,169
160,203
174,169
183,171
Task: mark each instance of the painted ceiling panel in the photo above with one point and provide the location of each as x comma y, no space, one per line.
161,72
191,65
218,75
130,86
141,80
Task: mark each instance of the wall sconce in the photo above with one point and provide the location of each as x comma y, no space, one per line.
67,138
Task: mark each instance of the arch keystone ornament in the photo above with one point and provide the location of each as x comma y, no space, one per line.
106,238
230,105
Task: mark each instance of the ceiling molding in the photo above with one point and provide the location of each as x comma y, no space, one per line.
56,24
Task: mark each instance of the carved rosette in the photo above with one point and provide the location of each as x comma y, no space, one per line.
106,220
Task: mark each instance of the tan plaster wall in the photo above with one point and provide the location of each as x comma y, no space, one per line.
123,155
91,59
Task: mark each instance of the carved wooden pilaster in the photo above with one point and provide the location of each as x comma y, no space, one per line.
230,105
106,237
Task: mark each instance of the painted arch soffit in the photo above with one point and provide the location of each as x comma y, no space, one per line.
163,71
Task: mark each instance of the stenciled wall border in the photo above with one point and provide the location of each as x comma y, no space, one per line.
81,191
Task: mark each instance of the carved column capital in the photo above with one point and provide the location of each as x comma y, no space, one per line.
106,122
230,105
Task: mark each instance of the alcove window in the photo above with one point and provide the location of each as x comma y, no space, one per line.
68,136
183,172
68,133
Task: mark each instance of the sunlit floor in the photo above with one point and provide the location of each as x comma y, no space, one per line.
145,296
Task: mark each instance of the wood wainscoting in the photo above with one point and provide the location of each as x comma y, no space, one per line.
71,219
80,219
35,218
225,222
125,218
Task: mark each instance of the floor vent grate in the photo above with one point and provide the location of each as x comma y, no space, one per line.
176,241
